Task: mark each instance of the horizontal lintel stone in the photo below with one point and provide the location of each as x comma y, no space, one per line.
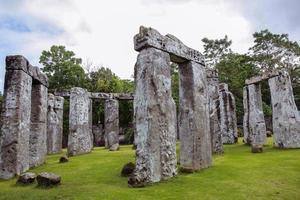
262,77
18,62
179,53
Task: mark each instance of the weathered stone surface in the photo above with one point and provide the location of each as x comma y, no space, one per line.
26,178
98,133
128,169
111,123
265,76
256,123
227,115
79,141
286,118
38,131
55,124
247,138
149,37
194,131
100,95
46,179
15,129
155,117
19,62
214,111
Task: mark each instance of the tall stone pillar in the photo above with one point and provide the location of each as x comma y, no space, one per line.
38,132
79,140
286,118
257,126
228,115
155,117
15,129
55,124
247,136
214,111
111,123
194,131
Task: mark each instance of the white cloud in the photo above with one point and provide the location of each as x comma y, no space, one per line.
103,30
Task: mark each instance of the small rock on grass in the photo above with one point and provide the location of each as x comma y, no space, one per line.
46,179
26,178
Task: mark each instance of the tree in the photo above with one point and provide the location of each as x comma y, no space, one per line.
63,69
234,69
275,51
215,50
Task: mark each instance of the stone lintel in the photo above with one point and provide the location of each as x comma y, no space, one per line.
264,76
179,53
18,62
100,95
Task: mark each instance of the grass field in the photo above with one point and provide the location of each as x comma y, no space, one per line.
238,174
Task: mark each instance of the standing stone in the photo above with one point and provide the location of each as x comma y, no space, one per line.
15,130
38,132
257,126
214,111
195,139
55,124
286,118
247,138
155,116
79,140
228,115
111,123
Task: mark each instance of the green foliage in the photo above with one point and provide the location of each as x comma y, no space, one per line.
216,50
272,51
175,84
238,174
63,69
234,69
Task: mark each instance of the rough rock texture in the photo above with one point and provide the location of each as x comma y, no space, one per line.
214,111
111,123
194,131
15,130
149,37
79,141
100,95
227,115
247,138
256,123
19,62
26,178
38,132
286,118
46,179
264,76
98,135
55,124
155,117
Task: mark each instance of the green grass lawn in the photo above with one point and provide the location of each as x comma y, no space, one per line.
238,174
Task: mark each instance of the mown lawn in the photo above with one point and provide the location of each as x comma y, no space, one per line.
238,174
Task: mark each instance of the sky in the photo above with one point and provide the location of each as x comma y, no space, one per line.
101,31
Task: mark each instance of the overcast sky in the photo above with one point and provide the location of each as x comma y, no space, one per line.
102,30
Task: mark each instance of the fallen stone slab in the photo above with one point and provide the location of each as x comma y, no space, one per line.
46,179
26,178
